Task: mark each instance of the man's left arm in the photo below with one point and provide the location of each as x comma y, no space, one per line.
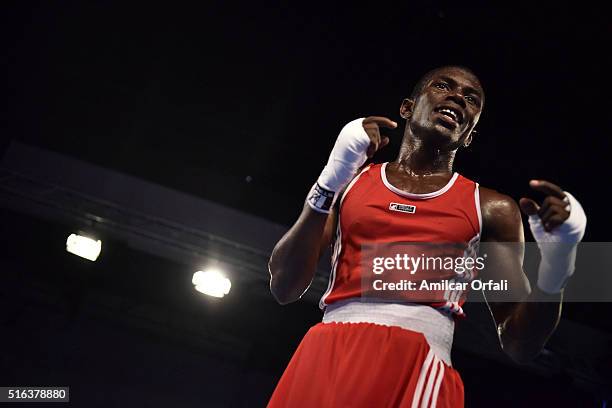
529,316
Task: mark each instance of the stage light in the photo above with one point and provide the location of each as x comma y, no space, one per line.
83,246
212,283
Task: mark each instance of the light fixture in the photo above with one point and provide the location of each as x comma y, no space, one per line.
84,247
211,282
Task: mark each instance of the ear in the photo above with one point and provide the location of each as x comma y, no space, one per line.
406,108
469,138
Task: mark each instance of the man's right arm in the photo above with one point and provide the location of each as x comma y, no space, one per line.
294,260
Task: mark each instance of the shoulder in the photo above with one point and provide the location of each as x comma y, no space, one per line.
501,216
494,202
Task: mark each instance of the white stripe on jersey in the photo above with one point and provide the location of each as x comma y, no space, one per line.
477,201
338,244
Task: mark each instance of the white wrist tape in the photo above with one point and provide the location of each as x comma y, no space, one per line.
558,247
347,156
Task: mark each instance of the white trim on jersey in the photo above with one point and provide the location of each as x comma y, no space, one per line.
478,210
416,196
471,251
350,185
338,243
332,273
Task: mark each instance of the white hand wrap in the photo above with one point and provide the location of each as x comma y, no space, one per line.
347,156
558,247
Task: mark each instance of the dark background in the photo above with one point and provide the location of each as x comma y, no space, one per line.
240,103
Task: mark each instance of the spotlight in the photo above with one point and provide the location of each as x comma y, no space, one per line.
212,283
84,247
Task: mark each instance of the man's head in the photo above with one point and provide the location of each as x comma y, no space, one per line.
444,107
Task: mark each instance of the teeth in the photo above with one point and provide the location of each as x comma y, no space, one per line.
450,112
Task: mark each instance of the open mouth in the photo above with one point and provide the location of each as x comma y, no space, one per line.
451,113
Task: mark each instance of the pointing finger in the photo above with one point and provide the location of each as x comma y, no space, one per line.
547,188
380,121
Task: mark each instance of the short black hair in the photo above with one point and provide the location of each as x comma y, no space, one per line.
418,88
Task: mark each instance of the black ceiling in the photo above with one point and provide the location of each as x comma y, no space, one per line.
238,101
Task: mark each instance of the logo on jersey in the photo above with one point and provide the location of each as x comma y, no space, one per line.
405,208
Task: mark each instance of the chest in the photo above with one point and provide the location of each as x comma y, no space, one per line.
371,213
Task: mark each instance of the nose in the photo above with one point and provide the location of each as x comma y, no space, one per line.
457,98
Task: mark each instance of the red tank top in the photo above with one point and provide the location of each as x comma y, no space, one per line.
374,211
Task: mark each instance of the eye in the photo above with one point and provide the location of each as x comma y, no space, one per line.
441,85
471,99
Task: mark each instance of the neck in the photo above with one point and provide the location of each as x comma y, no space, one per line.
418,158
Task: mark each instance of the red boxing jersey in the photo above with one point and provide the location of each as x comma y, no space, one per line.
372,211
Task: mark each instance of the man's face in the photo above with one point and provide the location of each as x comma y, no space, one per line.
448,107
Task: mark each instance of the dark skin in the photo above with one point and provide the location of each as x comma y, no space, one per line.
439,122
